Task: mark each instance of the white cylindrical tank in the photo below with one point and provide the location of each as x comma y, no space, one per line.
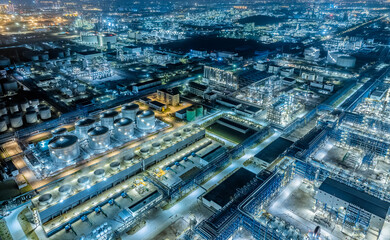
128,159
24,105
99,137
31,115
16,120
44,112
83,181
130,111
82,127
3,109
124,128
65,190
144,151
115,165
34,102
13,107
45,199
156,146
3,124
59,132
146,120
99,173
64,148
187,131
107,118
167,141
177,136
346,61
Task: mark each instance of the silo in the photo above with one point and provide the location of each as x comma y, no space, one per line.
82,127
3,124
99,137
16,120
31,115
44,112
190,114
130,111
124,128
199,111
59,132
64,148
146,120
107,118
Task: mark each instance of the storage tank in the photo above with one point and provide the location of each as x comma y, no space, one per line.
199,111
16,120
99,137
10,85
24,105
64,148
146,120
190,114
83,181
187,131
45,199
156,146
144,151
3,124
128,159
107,118
3,109
99,173
59,132
124,128
167,141
346,61
44,112
130,111
31,115
177,136
115,166
82,127
13,107
65,190
34,102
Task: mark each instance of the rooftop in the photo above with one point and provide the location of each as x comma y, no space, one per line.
274,149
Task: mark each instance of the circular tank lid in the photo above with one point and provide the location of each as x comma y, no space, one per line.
99,172
177,134
109,114
85,122
64,189
156,145
63,141
144,150
83,180
131,106
47,197
59,131
97,131
115,164
30,110
186,130
167,139
145,114
128,158
121,122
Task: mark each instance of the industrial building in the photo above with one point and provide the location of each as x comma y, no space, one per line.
169,96
353,208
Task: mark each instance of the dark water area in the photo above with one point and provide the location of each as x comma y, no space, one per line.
243,47
261,20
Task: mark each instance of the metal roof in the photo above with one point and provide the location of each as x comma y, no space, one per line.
358,198
63,141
